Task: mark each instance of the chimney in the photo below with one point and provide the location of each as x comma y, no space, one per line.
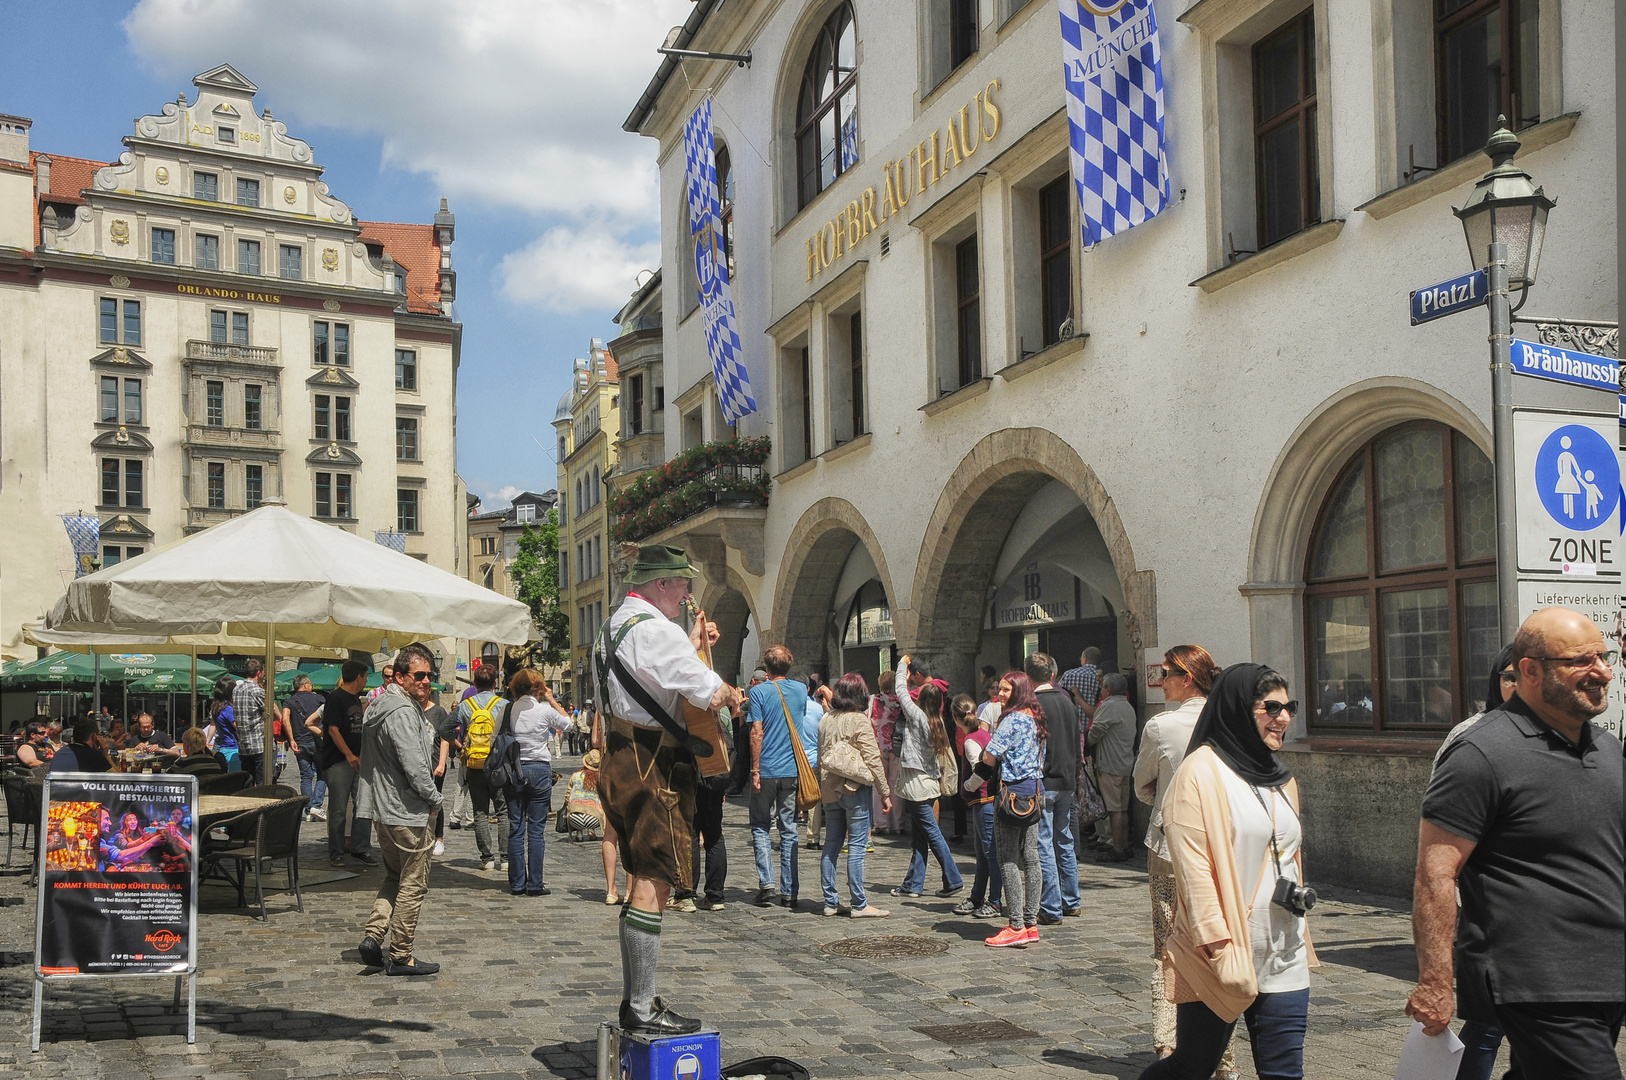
42,175
14,138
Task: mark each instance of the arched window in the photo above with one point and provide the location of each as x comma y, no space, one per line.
1400,601
725,198
827,107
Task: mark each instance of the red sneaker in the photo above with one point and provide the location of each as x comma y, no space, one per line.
1008,937
1030,936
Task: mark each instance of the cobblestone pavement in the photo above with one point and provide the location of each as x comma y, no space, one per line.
525,982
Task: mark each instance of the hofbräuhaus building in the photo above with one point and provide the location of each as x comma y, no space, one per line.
199,326
1217,427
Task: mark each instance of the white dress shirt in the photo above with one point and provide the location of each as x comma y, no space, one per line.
658,653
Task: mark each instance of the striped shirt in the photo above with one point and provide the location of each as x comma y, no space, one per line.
248,715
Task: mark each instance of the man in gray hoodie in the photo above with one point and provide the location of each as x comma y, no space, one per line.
397,791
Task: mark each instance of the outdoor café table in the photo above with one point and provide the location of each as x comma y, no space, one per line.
214,806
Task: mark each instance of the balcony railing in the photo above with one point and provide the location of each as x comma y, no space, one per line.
721,473
220,350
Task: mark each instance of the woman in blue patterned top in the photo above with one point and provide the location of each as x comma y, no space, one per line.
1018,749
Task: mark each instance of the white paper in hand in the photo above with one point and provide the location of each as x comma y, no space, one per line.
1429,1057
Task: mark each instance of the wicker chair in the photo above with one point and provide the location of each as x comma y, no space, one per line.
22,808
275,838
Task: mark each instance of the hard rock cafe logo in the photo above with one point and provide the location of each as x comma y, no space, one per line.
163,940
709,262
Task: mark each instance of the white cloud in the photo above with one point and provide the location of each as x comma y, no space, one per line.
516,103
568,269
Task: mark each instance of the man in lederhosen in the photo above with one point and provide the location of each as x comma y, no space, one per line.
648,774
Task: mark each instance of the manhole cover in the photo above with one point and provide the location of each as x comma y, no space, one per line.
889,947
985,1031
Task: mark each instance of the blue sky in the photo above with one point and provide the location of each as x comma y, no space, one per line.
511,109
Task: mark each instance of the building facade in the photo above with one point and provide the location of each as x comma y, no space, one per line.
199,327
585,425
1218,427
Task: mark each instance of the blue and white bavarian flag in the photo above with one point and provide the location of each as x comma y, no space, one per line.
85,534
1114,78
395,541
711,268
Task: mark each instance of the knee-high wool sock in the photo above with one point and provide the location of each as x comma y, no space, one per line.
641,951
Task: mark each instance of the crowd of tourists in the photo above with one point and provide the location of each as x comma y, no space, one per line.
1523,814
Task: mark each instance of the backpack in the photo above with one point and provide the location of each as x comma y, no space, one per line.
477,738
502,764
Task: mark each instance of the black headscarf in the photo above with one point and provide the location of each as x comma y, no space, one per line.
1227,724
1494,698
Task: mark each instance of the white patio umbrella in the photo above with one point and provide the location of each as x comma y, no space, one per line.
273,575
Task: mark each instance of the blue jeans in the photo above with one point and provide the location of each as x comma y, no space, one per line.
1276,1024
987,883
1480,1043
311,784
1058,860
776,800
341,781
846,820
923,835
528,804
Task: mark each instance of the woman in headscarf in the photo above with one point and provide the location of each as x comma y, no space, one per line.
1240,944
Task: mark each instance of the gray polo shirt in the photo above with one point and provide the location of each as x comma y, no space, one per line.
1544,892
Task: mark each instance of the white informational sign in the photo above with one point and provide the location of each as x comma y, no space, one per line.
1604,602
1568,504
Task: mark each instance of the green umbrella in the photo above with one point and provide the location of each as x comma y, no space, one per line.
171,682
62,668
323,678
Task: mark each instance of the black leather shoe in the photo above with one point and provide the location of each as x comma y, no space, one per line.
765,896
539,892
416,967
663,1022
372,953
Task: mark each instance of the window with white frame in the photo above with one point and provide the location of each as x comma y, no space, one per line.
121,400
290,262
406,369
119,321
248,256
206,251
123,484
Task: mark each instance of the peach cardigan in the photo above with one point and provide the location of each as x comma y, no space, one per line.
1209,905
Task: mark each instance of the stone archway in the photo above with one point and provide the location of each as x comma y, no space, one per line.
1304,471
815,554
728,604
969,526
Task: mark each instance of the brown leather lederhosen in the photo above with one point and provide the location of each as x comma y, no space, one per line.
646,782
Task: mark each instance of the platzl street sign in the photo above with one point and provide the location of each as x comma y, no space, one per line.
1448,297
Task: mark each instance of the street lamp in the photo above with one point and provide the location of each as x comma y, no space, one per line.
1504,221
1506,208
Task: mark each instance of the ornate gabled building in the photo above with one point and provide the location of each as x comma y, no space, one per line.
201,326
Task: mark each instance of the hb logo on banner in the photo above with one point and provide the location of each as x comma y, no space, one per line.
1114,78
711,268
85,534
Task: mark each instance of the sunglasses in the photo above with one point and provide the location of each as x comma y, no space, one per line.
1171,672
422,676
1273,709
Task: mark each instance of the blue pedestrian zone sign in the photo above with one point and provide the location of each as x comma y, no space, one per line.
1448,297
1563,365
1578,477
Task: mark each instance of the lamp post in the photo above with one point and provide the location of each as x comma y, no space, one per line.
1504,220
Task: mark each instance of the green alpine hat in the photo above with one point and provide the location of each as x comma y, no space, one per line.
659,561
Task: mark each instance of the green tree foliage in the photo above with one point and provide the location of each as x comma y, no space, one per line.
535,571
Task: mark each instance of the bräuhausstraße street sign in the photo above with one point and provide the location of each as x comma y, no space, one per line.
1448,297
1565,365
